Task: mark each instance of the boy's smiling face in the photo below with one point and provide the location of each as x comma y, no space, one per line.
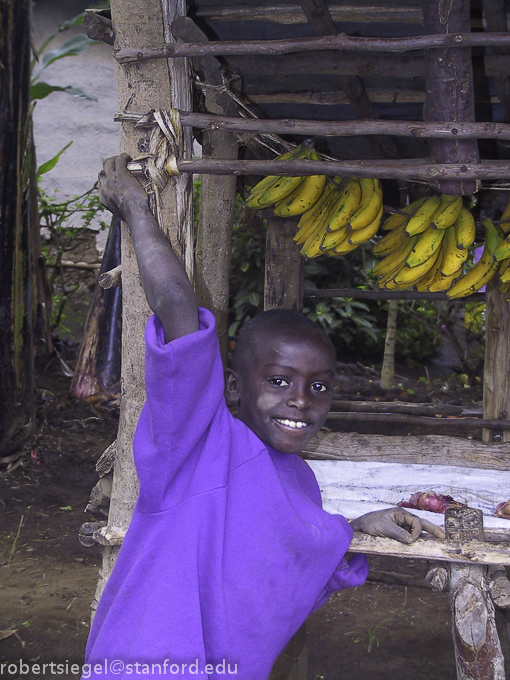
284,392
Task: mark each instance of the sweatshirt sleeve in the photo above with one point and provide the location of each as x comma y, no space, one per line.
348,574
184,394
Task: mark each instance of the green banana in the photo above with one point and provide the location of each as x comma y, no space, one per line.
484,269
304,197
504,223
465,229
447,212
423,216
264,184
279,190
502,252
370,205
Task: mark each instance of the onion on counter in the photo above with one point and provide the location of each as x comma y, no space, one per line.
431,501
503,510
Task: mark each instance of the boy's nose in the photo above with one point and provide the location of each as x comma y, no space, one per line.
298,398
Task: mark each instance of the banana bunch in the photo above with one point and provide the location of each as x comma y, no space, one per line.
426,244
289,195
502,254
347,214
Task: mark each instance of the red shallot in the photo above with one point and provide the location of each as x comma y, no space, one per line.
431,501
503,510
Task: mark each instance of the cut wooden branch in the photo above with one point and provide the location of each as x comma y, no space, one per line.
335,42
420,449
344,406
383,294
98,26
68,264
111,279
337,97
450,90
466,552
293,14
413,169
462,424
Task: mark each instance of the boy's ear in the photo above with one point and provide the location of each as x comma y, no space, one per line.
232,392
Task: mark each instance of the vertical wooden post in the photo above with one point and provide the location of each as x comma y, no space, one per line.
477,648
496,374
450,91
283,285
149,85
388,365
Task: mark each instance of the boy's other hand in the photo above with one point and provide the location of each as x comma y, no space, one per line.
395,523
118,189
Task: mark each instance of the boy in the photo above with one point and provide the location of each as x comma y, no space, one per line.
228,550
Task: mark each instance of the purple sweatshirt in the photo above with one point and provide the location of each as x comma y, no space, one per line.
228,550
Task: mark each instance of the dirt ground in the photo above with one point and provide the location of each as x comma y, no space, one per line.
380,631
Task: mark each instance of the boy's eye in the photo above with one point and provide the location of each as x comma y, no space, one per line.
278,382
319,387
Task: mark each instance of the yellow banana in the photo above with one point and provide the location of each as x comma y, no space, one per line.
447,212
395,260
483,270
465,229
435,271
442,282
408,276
304,197
428,242
397,218
343,248
347,205
453,257
309,219
502,252
504,223
268,181
423,216
359,236
504,271
370,205
333,238
279,190
391,241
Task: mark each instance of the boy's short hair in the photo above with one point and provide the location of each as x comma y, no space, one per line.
269,322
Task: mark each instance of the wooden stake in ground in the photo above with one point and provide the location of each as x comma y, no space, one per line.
153,85
477,648
388,365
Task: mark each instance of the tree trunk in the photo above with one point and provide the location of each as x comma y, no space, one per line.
142,87
17,405
388,366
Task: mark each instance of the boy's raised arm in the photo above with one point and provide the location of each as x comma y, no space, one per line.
164,280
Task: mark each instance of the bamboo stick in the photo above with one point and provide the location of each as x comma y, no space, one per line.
330,42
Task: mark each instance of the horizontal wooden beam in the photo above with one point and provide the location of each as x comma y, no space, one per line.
458,423
383,294
467,552
425,409
336,97
293,14
418,449
329,42
396,128
408,65
405,169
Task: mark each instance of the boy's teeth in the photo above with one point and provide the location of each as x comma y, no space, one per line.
297,424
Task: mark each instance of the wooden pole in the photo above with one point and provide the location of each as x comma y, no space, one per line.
496,373
450,90
152,85
283,286
475,637
213,247
388,365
